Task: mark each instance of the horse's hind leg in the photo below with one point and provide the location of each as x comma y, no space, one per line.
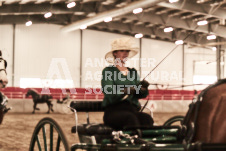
51,107
48,108
34,107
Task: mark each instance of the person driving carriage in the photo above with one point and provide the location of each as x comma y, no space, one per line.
66,98
122,88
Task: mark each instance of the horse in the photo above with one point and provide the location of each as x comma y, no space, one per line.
3,83
3,73
3,108
38,98
205,119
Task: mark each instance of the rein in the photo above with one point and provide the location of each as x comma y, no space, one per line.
182,86
179,86
168,54
162,61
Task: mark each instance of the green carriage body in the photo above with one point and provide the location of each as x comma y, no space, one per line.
99,137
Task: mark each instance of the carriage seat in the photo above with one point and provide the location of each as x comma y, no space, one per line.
95,133
87,106
90,129
96,106
90,133
94,129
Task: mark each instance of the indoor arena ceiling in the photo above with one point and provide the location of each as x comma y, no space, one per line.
182,16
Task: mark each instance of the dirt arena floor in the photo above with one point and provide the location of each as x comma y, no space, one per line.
16,129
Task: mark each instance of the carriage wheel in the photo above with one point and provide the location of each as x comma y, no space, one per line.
48,136
172,120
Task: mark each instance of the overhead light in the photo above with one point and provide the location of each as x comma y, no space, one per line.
83,27
47,15
179,42
153,36
168,29
71,4
214,48
108,19
173,1
202,22
91,14
107,2
79,13
139,35
211,37
137,10
28,23
200,1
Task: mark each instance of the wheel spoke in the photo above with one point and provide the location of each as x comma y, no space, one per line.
51,133
44,137
58,142
39,145
51,137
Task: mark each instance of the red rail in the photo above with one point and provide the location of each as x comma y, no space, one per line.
82,94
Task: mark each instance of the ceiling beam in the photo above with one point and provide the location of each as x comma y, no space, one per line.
26,1
37,19
112,13
176,22
41,1
203,9
11,1
152,33
29,9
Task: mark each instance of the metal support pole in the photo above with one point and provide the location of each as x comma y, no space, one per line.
183,58
222,63
140,55
218,59
13,62
80,59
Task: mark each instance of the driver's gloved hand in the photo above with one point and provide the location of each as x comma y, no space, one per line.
144,84
129,90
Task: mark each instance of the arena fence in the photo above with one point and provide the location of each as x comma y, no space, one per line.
91,94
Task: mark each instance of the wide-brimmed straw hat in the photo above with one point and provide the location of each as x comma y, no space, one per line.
122,44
